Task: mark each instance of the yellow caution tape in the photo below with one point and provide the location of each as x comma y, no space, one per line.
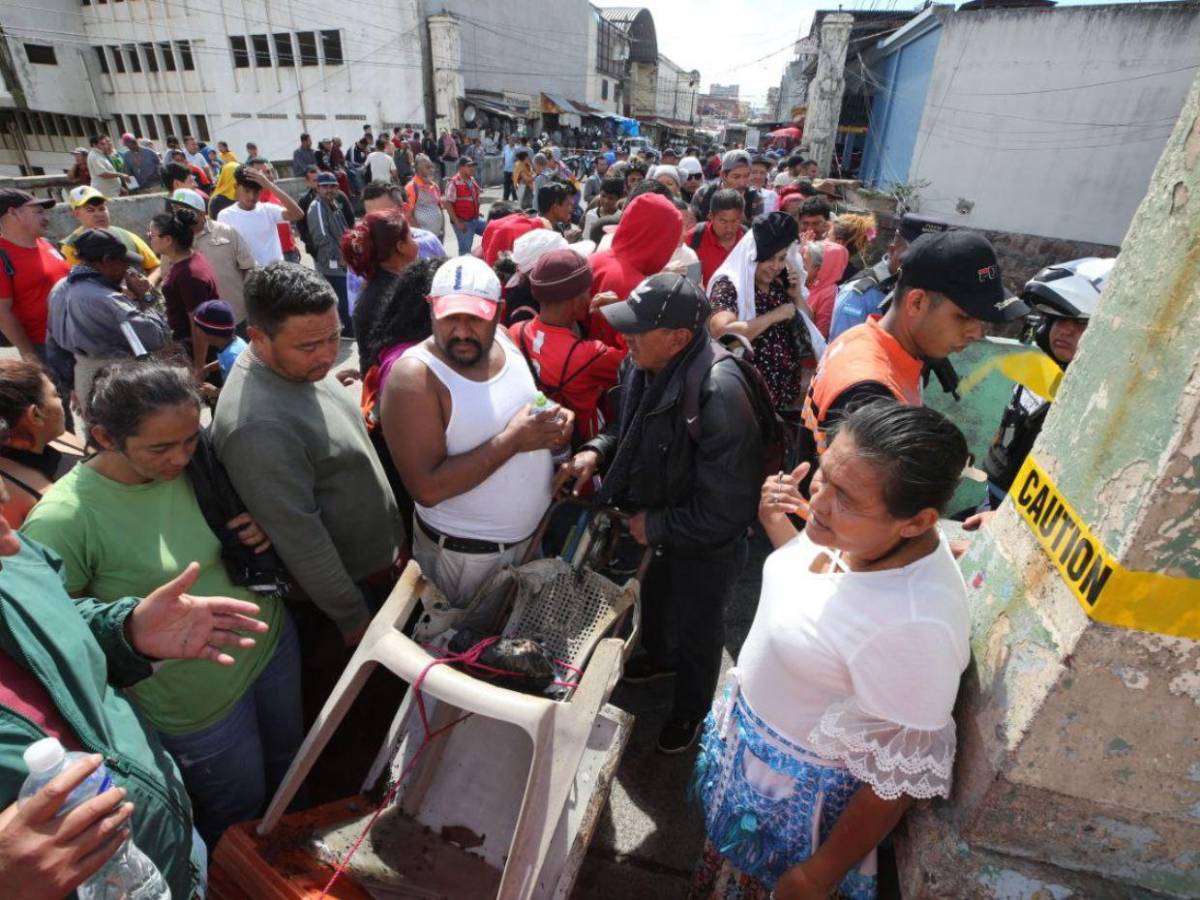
1107,591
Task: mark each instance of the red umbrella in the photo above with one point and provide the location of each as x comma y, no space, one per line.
793,133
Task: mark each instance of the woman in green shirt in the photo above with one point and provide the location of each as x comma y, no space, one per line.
128,520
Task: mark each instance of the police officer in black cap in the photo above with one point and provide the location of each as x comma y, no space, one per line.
947,290
685,455
864,296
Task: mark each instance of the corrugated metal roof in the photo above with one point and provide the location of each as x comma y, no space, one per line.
622,15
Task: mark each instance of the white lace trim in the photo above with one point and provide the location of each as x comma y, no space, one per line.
892,758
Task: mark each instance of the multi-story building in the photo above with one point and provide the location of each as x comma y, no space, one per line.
268,70
729,91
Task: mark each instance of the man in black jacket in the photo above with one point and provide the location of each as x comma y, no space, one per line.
692,491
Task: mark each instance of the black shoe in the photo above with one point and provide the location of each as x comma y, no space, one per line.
643,669
679,735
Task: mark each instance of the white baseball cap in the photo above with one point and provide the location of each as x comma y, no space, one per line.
465,284
689,165
188,197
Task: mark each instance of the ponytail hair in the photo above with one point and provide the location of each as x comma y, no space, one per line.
372,240
177,224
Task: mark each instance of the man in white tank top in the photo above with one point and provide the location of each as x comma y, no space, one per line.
458,419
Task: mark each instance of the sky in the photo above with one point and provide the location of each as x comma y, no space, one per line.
744,43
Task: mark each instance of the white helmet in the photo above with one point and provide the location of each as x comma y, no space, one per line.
1069,290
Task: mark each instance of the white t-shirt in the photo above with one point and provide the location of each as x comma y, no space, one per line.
381,165
97,162
259,228
861,667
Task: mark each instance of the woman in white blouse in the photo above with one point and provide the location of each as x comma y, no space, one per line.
839,713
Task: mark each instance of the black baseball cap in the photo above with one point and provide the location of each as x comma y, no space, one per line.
11,198
962,265
100,243
912,226
665,300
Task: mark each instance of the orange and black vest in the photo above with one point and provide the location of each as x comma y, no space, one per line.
863,354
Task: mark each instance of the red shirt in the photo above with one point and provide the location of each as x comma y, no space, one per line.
576,372
36,270
710,251
22,693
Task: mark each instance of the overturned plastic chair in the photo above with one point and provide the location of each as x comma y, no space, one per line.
518,784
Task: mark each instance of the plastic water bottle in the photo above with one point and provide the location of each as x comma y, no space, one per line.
541,405
129,874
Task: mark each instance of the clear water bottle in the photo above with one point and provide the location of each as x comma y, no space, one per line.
129,874
543,404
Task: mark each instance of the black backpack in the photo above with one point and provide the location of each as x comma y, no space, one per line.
779,438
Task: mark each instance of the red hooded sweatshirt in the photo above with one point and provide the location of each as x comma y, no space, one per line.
642,245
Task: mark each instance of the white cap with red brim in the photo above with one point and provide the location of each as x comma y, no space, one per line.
465,285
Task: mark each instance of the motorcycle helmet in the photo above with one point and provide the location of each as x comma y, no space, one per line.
1069,290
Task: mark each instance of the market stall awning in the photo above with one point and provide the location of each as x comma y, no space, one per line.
664,122
496,107
554,104
585,110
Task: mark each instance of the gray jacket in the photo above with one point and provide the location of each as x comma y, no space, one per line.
86,313
326,224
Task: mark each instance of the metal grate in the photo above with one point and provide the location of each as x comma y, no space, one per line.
566,611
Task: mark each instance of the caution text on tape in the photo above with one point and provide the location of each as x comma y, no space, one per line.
1107,591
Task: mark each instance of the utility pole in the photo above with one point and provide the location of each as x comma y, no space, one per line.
1078,718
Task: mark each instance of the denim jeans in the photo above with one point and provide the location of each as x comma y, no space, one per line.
466,234
233,767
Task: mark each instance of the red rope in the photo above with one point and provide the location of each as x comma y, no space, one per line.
470,657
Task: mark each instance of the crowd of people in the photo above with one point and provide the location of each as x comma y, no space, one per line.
722,356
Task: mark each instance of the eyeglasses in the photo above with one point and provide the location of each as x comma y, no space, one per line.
694,177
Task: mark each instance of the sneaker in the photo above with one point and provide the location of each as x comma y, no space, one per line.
644,669
679,735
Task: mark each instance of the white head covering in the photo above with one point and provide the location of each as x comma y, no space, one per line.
670,171
529,247
739,267
689,165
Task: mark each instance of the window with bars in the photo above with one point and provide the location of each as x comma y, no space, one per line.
149,126
118,59
283,49
151,57
201,131
135,61
168,55
185,55
119,121
102,58
165,121
307,42
241,54
182,122
603,88
331,47
41,54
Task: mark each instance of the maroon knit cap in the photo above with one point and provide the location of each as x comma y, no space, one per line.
560,275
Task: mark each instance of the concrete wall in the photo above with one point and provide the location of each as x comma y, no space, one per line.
135,213
595,95
523,46
1049,121
61,88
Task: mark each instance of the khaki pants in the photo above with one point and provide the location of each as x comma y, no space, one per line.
460,575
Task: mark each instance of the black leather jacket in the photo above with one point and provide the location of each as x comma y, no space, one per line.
697,494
